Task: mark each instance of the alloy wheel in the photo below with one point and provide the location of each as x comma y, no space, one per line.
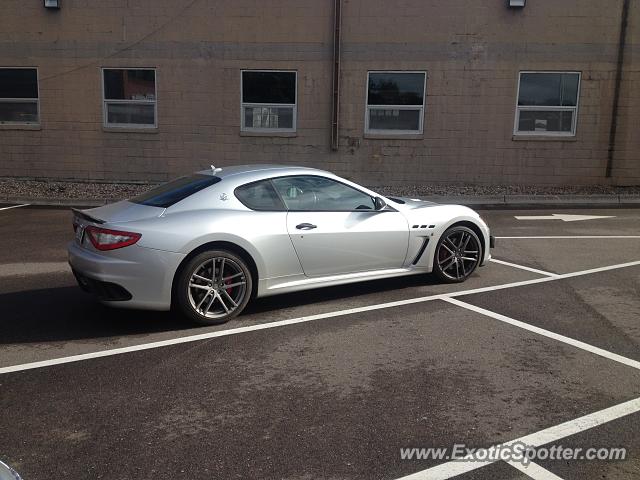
217,287
458,254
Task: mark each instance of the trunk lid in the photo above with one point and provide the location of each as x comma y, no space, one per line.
120,212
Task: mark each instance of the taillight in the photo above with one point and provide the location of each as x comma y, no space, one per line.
105,239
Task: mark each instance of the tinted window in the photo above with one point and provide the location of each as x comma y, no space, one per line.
269,87
396,89
129,84
259,196
18,83
549,89
172,192
321,194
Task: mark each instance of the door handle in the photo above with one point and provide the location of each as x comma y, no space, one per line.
306,226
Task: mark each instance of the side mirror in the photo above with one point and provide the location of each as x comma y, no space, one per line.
379,204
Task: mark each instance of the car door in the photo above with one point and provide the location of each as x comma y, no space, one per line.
335,228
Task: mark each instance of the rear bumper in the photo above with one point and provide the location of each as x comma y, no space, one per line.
131,277
105,291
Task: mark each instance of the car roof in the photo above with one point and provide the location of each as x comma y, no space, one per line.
259,171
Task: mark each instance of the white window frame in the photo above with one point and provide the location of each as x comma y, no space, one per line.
243,105
24,100
368,108
105,102
552,108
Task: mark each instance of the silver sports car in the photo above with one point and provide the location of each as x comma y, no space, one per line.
209,242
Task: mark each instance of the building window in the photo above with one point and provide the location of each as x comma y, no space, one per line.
19,102
547,103
269,101
130,98
395,102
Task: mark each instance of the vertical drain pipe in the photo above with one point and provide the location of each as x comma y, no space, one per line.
616,93
335,114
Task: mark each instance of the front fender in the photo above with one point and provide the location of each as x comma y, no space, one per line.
443,217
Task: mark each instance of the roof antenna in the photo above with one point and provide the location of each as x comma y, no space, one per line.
215,170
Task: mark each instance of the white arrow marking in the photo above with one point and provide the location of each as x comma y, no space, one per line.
564,217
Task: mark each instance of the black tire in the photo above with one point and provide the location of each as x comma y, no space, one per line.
206,297
457,254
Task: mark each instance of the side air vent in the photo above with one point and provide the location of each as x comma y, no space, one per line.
421,251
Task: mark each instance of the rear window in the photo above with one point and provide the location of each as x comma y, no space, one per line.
171,193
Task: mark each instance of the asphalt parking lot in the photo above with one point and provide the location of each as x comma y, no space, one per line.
540,346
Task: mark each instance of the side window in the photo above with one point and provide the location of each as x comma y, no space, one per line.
19,102
269,101
312,193
395,103
547,103
259,196
129,98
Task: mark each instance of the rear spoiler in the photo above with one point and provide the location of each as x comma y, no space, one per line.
84,216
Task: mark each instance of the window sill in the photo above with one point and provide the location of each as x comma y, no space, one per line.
396,136
18,126
269,134
130,129
543,138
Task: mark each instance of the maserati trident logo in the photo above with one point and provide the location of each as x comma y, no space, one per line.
224,197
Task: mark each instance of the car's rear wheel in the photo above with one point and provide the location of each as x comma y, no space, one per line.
457,254
213,287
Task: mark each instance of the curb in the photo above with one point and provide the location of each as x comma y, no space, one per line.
541,201
477,201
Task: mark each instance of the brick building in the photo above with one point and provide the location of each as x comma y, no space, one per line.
428,90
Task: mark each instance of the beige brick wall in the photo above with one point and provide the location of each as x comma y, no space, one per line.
471,50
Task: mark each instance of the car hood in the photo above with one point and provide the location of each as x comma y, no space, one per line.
413,203
124,211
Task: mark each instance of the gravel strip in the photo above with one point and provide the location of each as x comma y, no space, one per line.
40,189
44,189
493,190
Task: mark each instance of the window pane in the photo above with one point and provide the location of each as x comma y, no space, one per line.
570,90
269,87
18,83
394,119
321,194
129,84
268,117
396,89
127,113
545,121
19,112
548,89
259,196
176,190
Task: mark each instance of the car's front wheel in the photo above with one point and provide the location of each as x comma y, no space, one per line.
457,254
213,287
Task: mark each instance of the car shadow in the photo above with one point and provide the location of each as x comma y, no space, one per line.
308,297
67,313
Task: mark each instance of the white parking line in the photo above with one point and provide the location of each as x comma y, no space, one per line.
535,471
293,321
522,267
546,333
15,206
570,237
537,439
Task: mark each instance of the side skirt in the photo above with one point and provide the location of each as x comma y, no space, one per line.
306,283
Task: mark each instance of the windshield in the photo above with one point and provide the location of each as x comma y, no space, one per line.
171,193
